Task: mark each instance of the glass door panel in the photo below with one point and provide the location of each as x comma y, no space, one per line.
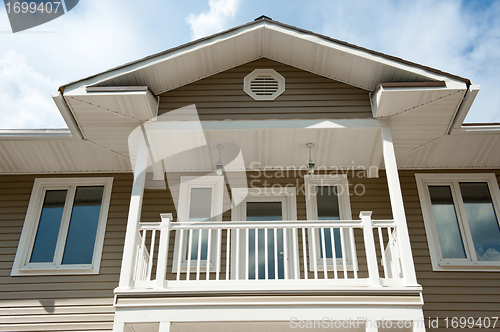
265,211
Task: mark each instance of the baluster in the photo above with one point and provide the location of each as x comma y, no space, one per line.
141,256
198,260
334,254
228,251
312,236
285,252
353,253
304,249
390,244
188,272
209,247
151,254
323,251
275,254
342,248
219,243
247,252
295,253
266,260
179,255
256,254
382,251
237,258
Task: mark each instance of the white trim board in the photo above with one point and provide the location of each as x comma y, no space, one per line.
21,265
470,263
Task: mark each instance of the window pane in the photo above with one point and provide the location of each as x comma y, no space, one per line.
482,219
200,210
328,209
82,230
265,211
445,216
48,226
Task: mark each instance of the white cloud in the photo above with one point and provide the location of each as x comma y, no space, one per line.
23,95
214,20
444,34
95,36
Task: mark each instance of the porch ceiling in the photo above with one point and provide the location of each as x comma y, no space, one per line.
264,148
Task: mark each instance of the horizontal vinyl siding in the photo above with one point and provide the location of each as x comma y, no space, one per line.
77,303
306,95
449,293
58,303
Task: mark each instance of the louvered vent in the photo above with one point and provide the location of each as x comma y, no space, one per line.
264,84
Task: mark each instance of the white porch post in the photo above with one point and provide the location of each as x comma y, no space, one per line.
164,327
398,211
371,253
161,269
118,327
134,215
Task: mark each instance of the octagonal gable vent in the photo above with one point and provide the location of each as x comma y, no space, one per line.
264,84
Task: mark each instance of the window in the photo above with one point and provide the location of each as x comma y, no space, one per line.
200,199
327,198
461,220
63,232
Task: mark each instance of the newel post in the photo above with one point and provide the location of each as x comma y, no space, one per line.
161,269
134,215
371,253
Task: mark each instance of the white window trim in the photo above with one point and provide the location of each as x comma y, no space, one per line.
438,262
21,265
216,183
286,195
338,180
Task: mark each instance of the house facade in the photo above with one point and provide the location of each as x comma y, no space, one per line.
263,178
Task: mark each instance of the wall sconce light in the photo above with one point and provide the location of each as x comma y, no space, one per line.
310,163
219,166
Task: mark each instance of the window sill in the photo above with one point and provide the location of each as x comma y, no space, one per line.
54,270
484,266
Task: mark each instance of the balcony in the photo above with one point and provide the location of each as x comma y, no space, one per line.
172,256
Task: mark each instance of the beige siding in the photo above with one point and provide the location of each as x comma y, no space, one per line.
58,303
306,95
75,303
447,294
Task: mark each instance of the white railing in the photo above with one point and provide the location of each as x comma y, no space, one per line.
244,254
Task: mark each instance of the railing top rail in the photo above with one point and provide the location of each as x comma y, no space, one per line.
267,224
149,225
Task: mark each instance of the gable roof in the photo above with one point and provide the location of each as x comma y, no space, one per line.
422,109
271,39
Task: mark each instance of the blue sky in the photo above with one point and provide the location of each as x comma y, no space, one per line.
462,38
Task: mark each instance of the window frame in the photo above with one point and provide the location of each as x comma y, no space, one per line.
311,182
470,263
216,183
21,265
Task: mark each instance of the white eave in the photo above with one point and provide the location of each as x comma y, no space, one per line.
266,39
422,105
